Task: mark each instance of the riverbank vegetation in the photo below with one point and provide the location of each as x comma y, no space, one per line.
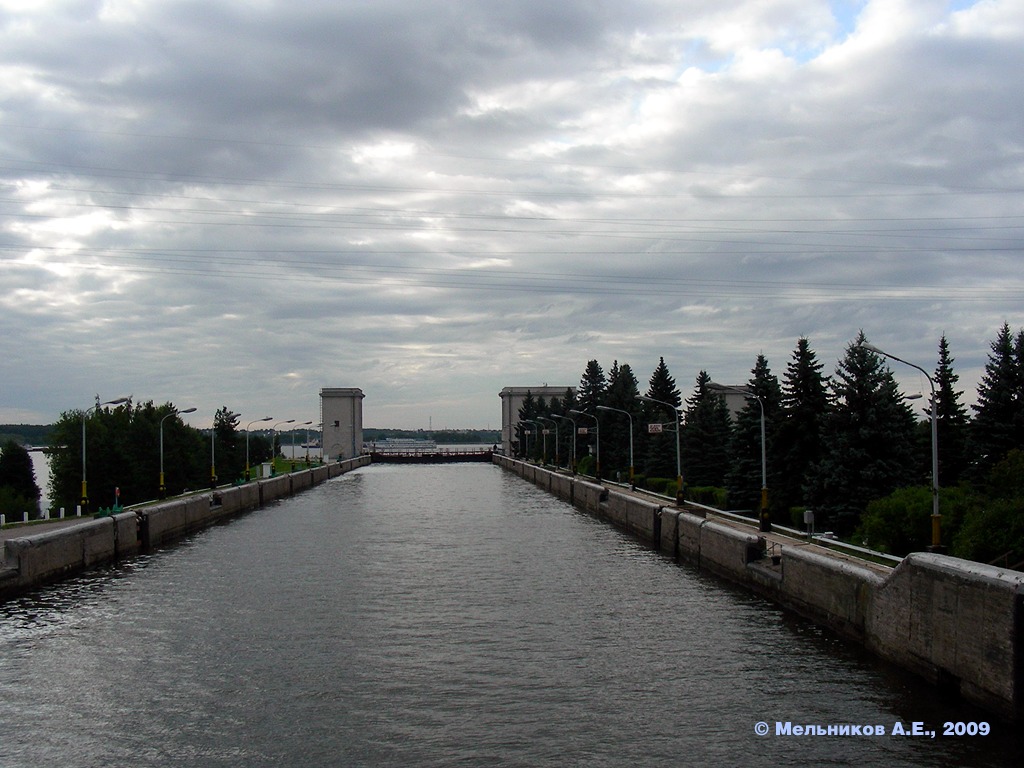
849,446
126,446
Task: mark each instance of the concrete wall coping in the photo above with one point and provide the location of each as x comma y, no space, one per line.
823,561
954,567
45,537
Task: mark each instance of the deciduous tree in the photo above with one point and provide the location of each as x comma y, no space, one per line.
18,489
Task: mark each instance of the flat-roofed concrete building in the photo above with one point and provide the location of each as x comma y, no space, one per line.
735,396
512,400
341,411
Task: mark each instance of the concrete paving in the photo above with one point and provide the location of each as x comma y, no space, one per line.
21,530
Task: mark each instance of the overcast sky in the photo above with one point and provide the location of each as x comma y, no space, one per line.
228,203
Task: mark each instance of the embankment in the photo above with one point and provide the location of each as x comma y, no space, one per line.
956,623
36,559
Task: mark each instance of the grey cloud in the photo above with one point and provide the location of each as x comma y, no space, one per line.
465,196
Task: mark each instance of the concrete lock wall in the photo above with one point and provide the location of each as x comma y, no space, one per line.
638,517
36,559
956,623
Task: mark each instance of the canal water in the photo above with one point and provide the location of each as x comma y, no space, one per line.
441,616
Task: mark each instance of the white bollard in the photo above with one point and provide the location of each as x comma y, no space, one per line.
78,510
62,513
24,517
3,520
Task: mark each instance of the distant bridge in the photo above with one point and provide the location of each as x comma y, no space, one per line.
432,456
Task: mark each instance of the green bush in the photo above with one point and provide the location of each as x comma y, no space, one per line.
585,466
900,523
709,495
657,484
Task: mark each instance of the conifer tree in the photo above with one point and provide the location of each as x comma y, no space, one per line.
228,452
951,420
615,427
869,440
707,433
744,477
527,433
659,449
798,441
999,413
591,393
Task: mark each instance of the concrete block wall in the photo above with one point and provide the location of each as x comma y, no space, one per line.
126,534
727,551
273,488
832,592
561,486
39,558
162,522
689,530
301,480
53,554
587,496
958,624
639,517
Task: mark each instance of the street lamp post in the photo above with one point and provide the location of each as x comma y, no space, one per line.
679,463
936,517
539,425
273,442
552,421
306,425
163,488
247,473
85,413
632,485
572,459
764,517
597,442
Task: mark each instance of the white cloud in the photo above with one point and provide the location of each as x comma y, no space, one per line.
237,205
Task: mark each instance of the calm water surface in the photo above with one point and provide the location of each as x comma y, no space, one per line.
446,615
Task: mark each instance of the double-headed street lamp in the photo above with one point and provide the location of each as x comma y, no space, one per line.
174,412
764,517
266,418
273,442
85,413
572,460
630,417
679,464
597,441
552,421
936,517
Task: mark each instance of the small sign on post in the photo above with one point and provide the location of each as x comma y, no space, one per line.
654,429
809,522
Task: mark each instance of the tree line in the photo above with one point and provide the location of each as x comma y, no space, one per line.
847,445
122,454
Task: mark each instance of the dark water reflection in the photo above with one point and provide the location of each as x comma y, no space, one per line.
447,615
